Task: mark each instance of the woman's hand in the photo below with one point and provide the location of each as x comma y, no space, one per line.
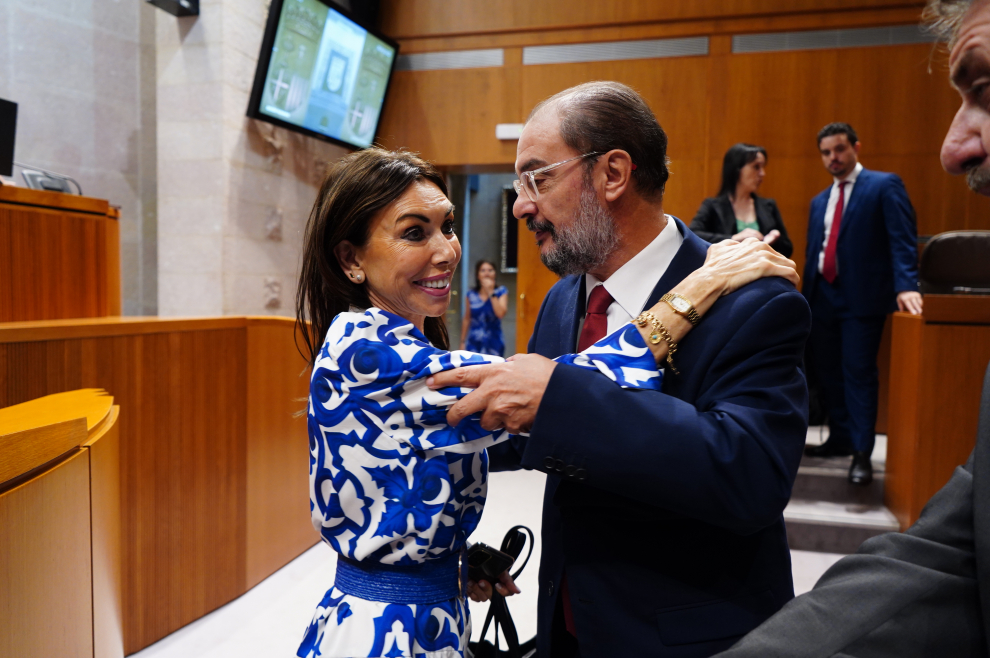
487,284
481,592
728,267
735,265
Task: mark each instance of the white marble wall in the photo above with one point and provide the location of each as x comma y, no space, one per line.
233,193
86,109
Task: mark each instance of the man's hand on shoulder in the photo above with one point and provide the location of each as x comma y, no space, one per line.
909,301
508,394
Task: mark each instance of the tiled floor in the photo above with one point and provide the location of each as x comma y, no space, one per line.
268,621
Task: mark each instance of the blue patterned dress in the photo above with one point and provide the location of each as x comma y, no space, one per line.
485,331
391,483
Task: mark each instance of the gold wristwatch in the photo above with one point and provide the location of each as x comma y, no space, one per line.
682,306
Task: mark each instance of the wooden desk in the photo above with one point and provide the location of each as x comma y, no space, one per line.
59,256
214,465
936,375
60,520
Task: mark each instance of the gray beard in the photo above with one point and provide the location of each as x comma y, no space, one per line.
584,245
978,178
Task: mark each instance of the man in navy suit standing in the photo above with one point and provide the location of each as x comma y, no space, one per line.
663,532
862,263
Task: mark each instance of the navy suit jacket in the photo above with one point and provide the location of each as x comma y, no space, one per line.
666,507
877,252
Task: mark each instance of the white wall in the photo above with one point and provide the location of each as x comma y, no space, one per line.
234,194
86,110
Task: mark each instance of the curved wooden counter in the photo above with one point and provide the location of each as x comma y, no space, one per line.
214,465
60,515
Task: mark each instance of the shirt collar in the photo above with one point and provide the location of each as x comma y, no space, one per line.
853,175
631,284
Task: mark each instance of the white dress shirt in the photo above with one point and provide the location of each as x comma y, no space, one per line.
833,199
631,284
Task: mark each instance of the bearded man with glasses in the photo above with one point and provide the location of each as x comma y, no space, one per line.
663,532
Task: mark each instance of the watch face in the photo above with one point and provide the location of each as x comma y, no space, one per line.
680,305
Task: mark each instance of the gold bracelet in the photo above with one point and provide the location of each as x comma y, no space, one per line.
659,333
682,306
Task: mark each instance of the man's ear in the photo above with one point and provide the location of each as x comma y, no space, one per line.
856,147
349,260
618,174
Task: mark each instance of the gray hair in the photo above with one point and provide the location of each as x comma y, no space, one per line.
944,17
602,116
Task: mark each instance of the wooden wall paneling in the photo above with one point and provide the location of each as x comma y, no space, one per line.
533,280
403,19
104,480
903,425
55,591
840,19
449,116
278,522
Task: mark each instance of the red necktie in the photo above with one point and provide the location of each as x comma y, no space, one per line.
595,320
828,266
594,329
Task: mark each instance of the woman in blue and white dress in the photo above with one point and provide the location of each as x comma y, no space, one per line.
394,489
487,303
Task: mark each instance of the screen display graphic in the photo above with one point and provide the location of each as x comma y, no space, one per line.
326,73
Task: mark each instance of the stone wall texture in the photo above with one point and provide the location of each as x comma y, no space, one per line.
82,73
233,193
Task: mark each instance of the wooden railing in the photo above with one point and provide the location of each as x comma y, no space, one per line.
213,461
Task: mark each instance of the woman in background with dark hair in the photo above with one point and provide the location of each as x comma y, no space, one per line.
737,213
394,489
481,330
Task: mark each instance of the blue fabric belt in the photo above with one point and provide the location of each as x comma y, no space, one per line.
433,581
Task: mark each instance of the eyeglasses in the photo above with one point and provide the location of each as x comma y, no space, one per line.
527,180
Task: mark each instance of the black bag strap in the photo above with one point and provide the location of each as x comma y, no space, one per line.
498,609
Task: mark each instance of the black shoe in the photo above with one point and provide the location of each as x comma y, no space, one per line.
828,449
861,471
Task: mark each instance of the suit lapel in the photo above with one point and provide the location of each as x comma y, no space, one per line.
817,230
688,258
726,215
571,315
859,192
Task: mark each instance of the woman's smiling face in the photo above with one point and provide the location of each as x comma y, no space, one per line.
409,258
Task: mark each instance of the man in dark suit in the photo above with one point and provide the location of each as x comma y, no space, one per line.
662,516
924,592
862,263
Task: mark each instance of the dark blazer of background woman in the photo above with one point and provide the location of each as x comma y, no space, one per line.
716,221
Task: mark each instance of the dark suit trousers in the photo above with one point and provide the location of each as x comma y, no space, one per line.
845,350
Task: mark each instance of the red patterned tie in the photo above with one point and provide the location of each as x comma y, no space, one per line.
595,320
594,329
828,266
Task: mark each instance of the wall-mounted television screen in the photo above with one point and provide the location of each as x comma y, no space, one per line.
322,73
